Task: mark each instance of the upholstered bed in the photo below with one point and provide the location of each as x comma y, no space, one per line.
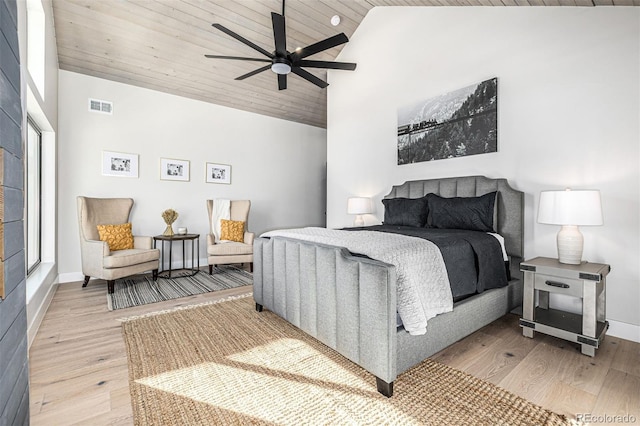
350,302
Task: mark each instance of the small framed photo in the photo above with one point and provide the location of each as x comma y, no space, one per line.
218,173
171,169
119,164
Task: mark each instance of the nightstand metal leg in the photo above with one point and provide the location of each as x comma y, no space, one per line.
589,315
528,302
601,309
589,304
588,350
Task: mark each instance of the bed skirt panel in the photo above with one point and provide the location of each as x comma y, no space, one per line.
467,316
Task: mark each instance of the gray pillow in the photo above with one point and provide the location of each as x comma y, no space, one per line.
471,213
405,211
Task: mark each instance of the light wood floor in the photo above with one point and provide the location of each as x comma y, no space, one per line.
78,365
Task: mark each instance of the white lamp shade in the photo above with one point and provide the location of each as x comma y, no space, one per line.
582,207
359,205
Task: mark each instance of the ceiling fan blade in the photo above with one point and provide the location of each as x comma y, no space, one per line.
279,34
242,39
325,44
254,72
309,77
282,81
326,64
239,58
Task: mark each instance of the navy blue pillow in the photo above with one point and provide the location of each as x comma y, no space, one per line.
471,213
405,211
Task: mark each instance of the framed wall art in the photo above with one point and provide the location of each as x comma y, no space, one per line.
119,164
172,169
218,173
455,124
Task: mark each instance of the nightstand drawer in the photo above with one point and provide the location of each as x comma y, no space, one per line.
560,285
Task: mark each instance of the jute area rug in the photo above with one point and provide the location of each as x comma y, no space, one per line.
225,363
141,289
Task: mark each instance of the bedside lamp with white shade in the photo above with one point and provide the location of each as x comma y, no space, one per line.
570,209
359,206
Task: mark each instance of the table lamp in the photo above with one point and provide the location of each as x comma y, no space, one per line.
359,206
570,209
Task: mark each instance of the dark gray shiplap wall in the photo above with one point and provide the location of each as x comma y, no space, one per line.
14,371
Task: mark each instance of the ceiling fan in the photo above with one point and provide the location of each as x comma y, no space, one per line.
283,62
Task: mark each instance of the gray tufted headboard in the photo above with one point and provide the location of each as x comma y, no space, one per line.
510,202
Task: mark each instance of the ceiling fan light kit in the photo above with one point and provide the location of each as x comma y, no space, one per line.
284,62
281,66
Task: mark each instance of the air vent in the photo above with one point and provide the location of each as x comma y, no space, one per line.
103,107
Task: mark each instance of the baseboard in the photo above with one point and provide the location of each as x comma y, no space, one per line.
624,330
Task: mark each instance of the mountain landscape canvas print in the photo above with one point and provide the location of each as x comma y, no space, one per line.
455,124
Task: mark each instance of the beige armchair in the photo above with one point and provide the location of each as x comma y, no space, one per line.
231,252
98,260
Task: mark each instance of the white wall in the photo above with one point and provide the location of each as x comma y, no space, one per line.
568,116
278,165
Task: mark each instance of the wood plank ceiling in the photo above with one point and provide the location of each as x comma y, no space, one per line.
160,45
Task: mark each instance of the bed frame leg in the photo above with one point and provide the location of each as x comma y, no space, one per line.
258,307
384,388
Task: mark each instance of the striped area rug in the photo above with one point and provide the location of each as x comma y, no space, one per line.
141,289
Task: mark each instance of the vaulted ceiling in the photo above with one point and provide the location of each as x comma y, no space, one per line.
160,45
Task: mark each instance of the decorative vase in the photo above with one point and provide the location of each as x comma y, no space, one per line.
169,231
169,216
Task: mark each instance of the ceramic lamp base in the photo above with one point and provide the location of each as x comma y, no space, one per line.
570,243
359,221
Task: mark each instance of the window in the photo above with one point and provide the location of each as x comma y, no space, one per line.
33,171
36,43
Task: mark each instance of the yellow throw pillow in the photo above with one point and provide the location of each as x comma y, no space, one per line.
232,230
119,237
